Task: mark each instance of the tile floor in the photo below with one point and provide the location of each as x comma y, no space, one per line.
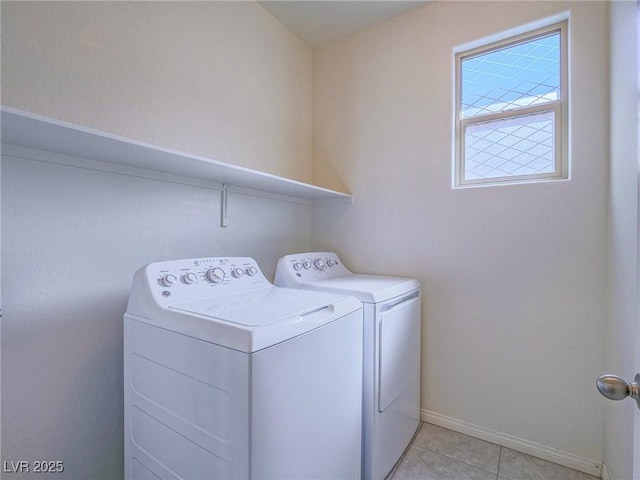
440,454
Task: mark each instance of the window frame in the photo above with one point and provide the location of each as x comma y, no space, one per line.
559,108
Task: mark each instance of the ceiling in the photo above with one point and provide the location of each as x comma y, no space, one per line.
321,21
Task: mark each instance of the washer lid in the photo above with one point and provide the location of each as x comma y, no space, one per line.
366,288
229,302
251,321
258,308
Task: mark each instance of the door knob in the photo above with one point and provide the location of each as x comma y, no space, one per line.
615,388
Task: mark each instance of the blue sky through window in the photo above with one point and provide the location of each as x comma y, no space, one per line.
511,77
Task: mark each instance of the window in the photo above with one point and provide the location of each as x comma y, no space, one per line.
511,110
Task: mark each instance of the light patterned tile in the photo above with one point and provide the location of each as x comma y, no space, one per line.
421,464
461,447
520,466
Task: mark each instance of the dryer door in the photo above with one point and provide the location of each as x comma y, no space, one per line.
399,328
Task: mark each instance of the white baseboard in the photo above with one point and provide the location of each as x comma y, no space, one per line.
605,474
525,446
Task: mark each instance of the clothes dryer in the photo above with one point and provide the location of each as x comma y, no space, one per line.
227,376
391,367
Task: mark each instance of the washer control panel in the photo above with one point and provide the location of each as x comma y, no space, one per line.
185,280
301,268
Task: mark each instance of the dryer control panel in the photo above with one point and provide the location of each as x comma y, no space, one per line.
184,280
302,268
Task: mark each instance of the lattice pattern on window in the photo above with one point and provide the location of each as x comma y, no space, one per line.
522,145
511,110
511,77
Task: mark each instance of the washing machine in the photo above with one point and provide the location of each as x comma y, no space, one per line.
391,365
229,377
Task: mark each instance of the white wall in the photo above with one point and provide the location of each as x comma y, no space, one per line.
623,328
223,80
514,276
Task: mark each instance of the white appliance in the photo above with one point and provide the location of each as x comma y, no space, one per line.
391,395
227,376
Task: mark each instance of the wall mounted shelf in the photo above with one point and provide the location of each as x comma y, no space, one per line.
29,130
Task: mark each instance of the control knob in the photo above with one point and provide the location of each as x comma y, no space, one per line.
306,264
297,266
237,272
331,262
189,278
215,275
168,280
251,271
319,263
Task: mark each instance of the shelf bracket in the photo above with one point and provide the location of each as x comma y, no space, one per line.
224,219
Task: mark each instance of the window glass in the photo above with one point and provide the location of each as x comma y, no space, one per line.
511,110
521,145
512,77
